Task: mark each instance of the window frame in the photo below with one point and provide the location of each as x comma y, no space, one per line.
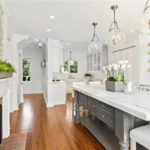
29,68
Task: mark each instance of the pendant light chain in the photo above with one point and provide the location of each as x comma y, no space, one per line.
115,21
70,55
94,33
114,24
114,15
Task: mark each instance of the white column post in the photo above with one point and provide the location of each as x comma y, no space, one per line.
5,115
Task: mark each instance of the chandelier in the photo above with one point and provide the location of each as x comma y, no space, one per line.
95,44
70,59
143,24
115,37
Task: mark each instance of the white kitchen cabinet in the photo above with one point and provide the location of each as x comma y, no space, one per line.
96,61
55,54
56,94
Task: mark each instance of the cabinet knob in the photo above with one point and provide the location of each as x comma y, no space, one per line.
93,106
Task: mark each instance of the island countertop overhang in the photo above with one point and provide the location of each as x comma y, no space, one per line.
136,104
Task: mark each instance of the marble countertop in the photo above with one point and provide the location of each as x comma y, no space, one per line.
137,103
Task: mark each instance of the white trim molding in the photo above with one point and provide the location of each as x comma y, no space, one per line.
4,93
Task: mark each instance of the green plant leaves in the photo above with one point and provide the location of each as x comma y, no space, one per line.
6,67
120,78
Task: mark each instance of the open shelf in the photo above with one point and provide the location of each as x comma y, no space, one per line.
101,132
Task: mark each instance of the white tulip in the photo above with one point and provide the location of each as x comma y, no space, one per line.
104,68
129,66
123,67
115,66
125,61
121,62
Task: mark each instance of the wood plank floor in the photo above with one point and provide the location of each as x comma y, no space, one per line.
52,128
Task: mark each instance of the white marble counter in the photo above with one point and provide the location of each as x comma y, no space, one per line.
136,104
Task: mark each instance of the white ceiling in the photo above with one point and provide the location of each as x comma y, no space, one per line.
73,19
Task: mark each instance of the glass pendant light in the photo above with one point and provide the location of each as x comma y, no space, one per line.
95,44
143,24
70,59
115,37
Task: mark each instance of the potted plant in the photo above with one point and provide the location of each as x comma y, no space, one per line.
88,77
6,70
116,76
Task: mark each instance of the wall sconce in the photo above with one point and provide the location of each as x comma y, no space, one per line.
43,63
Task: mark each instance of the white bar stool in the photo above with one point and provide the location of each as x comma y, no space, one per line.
140,135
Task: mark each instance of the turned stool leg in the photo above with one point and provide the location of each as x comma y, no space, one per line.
133,145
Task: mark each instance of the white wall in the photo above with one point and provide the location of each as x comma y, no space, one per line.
35,54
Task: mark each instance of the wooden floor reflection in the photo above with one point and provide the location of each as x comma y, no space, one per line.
52,128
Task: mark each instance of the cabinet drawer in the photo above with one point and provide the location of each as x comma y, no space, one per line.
106,118
106,108
82,100
91,105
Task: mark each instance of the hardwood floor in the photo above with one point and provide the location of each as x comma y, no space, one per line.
14,142
69,97
52,128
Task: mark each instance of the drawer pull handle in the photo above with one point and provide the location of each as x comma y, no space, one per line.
109,109
91,105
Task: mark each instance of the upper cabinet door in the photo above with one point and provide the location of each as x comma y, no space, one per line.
96,61
55,58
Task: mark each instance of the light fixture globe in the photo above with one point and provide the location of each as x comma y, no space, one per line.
70,61
95,44
143,24
115,37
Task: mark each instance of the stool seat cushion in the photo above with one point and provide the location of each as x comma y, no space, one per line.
141,135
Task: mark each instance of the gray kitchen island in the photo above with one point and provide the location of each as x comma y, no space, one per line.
113,114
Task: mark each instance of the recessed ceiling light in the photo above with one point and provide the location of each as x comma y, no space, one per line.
40,44
48,30
52,17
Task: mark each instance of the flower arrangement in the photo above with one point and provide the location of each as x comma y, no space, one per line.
116,72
